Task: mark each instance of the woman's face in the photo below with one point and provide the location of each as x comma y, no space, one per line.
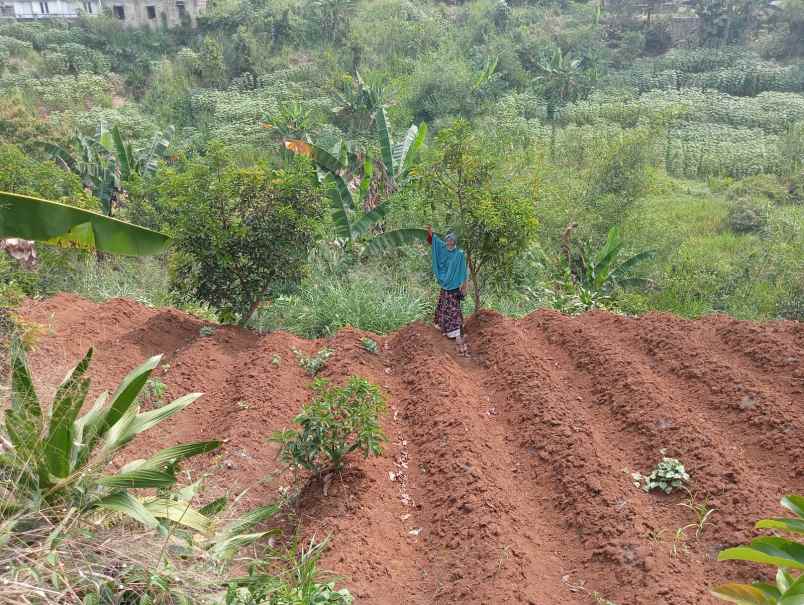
450,244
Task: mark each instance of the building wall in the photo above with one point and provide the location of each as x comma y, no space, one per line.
34,9
156,13
133,13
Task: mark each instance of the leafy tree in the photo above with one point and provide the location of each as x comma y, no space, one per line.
494,224
564,79
241,232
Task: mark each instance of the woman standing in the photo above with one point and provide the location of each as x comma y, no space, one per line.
449,267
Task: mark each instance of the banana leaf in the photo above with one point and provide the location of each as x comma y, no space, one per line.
368,220
46,221
410,154
394,239
341,205
386,144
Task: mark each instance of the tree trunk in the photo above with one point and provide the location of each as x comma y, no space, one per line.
475,286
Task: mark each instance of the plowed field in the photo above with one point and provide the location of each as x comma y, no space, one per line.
507,475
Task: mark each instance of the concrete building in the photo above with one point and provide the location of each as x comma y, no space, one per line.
156,13
134,13
48,9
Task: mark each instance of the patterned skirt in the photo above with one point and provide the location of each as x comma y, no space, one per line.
448,314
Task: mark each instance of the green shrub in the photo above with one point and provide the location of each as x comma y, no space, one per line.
747,216
241,232
338,421
780,552
668,475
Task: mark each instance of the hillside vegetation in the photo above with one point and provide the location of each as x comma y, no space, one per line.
281,164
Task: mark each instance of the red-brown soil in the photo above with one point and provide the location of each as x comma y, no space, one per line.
510,470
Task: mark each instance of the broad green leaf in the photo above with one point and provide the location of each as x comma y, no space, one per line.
123,158
22,433
138,478
386,144
783,581
368,220
42,220
769,590
394,239
797,599
67,402
773,551
402,148
177,453
143,422
85,427
59,443
785,524
795,504
127,392
341,204
742,594
123,502
629,264
179,512
412,153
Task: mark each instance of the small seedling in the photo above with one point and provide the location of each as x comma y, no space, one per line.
370,345
243,405
680,541
668,475
702,512
206,331
313,365
276,360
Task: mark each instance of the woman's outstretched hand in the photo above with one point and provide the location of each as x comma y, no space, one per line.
430,230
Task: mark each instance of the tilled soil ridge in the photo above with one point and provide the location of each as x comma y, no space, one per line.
506,477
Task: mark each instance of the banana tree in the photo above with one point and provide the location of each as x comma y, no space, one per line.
333,164
601,272
105,161
31,218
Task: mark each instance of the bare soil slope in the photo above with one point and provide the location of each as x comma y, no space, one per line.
506,478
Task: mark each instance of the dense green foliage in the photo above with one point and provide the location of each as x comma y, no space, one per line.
240,233
691,141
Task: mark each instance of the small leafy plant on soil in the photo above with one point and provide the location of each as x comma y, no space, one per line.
206,330
785,554
313,365
668,475
370,345
338,421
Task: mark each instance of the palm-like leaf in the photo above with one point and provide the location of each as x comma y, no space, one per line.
389,240
341,204
123,502
386,143
41,220
179,512
368,220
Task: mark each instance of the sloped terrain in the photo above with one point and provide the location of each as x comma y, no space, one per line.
506,478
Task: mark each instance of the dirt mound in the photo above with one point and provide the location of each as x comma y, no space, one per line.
507,475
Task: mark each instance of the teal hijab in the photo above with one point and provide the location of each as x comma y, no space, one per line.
449,266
